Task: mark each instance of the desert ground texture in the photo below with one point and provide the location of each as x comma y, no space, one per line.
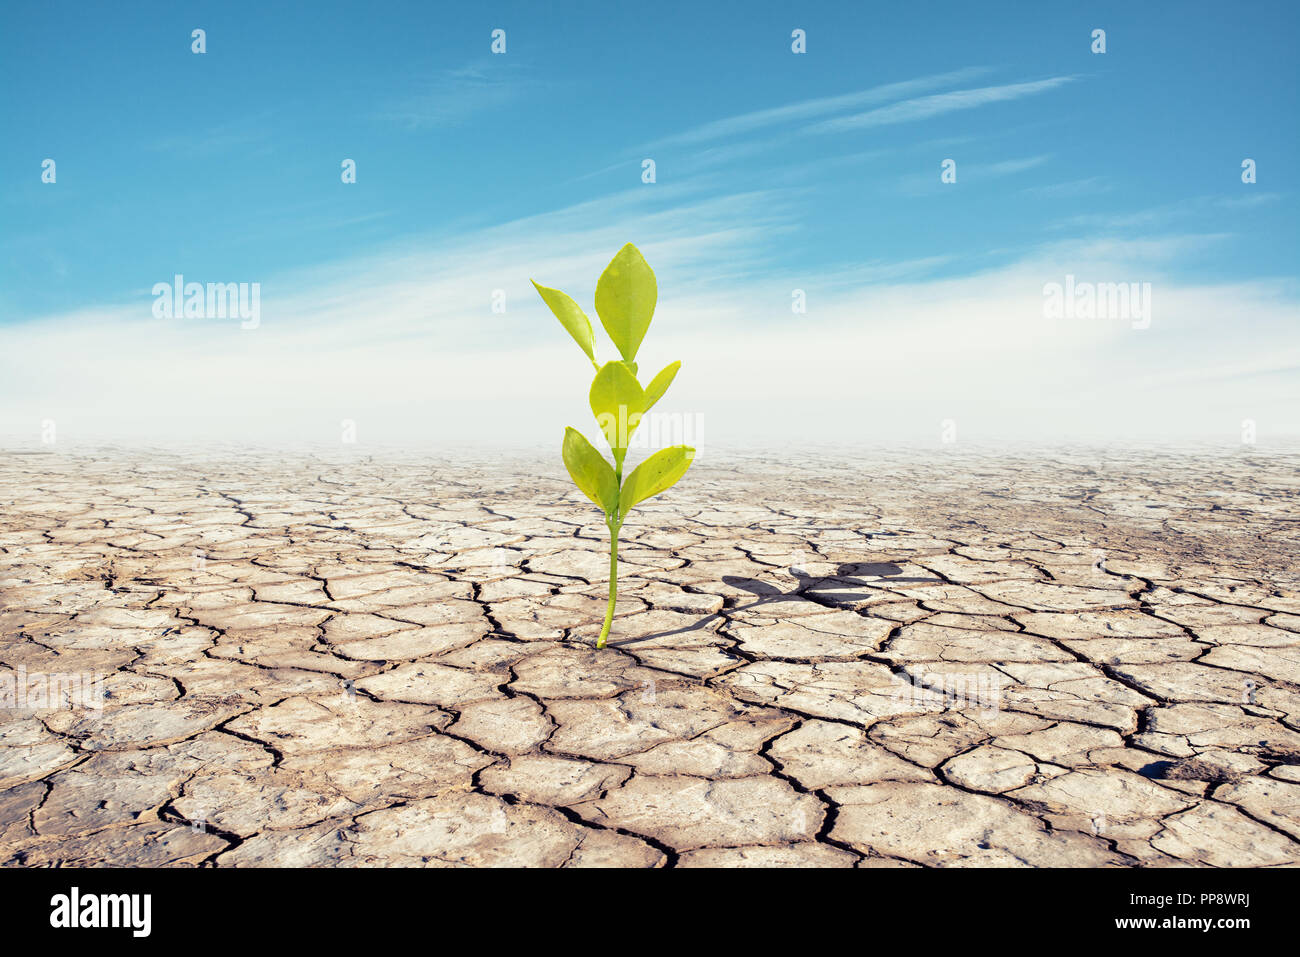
945,658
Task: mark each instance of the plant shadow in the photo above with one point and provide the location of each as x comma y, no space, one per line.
821,589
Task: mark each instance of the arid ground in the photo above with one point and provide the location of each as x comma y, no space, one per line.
956,657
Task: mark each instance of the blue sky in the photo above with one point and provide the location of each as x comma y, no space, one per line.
818,170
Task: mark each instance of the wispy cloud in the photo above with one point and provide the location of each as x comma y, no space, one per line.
916,183
404,341
1012,166
1190,207
454,96
747,123
924,107
248,133
1074,187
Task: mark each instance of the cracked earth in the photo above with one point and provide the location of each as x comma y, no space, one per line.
1021,659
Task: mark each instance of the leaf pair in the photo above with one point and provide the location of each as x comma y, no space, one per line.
626,295
593,475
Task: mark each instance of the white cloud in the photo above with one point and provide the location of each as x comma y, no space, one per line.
1012,166
404,343
924,107
1075,187
915,183
454,96
1211,205
749,122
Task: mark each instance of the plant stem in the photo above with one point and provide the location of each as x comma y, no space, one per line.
613,585
613,524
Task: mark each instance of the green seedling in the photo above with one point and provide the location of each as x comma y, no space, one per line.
626,294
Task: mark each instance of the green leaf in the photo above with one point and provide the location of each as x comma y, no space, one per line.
660,471
659,384
589,471
617,402
571,317
625,299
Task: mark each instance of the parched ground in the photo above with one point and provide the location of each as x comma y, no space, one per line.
1035,658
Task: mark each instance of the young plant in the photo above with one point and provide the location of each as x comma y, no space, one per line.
625,302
